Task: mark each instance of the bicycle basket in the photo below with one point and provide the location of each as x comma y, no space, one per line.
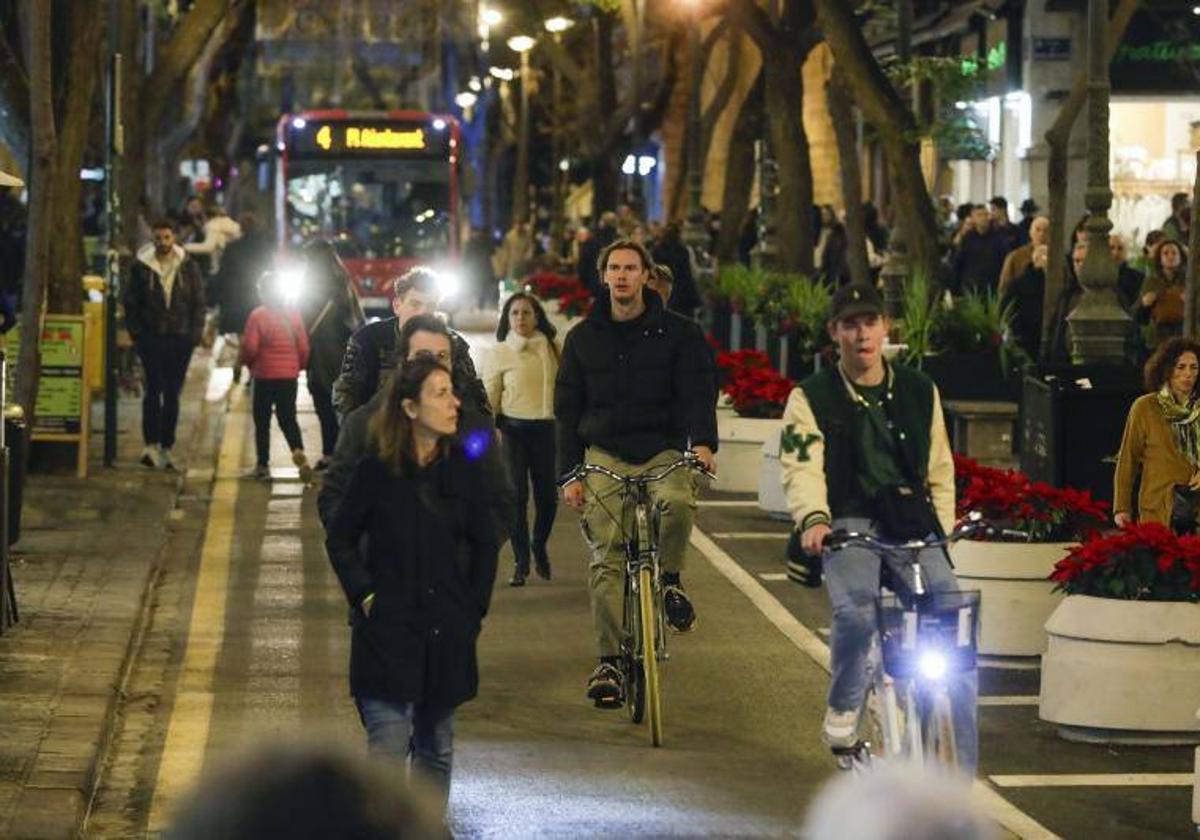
934,634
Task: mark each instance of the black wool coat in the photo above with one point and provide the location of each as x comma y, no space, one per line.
635,388
431,564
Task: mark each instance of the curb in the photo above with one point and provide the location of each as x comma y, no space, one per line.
142,619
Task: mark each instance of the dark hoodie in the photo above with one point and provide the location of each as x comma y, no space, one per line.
634,388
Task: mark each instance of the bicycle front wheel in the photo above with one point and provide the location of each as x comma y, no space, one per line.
649,615
938,735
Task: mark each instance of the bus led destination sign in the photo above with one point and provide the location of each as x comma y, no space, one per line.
372,138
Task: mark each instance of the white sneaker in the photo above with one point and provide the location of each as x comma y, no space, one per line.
840,729
151,457
165,460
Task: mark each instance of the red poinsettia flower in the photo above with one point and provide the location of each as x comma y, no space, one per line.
1144,561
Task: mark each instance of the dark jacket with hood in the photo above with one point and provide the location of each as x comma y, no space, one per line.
430,562
371,351
146,310
634,388
331,316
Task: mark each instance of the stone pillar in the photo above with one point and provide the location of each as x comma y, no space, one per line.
1098,325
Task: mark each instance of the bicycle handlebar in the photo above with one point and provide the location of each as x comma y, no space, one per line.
841,539
689,459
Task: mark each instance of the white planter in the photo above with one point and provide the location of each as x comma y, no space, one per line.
739,460
771,497
1017,598
1122,665
562,323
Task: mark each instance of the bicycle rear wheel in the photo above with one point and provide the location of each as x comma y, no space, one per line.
649,617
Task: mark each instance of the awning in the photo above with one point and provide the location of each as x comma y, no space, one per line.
7,180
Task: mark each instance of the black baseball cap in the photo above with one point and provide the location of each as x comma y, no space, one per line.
855,299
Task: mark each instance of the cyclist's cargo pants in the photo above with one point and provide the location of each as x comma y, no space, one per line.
852,580
606,521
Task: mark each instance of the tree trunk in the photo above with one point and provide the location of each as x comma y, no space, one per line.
65,293
149,97
840,113
1057,139
739,172
883,108
784,90
36,21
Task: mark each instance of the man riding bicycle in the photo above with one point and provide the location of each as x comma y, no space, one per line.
864,448
635,386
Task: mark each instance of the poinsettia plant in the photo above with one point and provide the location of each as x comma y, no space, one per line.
573,297
754,387
1141,562
1009,499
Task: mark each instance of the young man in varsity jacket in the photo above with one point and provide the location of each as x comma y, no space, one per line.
850,432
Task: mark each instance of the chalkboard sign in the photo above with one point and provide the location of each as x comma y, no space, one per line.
63,399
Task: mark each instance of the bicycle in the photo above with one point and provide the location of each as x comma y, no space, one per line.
643,642
922,638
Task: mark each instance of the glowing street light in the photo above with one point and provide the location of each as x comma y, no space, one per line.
521,43
558,24
466,99
491,17
504,74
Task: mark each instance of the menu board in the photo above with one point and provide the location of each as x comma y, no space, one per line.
61,389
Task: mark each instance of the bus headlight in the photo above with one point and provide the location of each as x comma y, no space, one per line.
449,283
290,282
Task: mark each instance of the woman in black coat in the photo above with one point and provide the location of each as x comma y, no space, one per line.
419,593
332,314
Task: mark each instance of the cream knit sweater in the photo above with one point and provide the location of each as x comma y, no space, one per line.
519,377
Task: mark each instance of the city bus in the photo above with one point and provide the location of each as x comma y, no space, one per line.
382,186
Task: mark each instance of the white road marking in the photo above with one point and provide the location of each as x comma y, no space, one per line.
750,535
1008,700
772,577
997,807
1096,780
1001,664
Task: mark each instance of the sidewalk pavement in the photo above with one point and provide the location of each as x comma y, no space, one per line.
88,555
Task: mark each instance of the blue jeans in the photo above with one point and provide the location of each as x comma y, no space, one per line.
400,731
852,580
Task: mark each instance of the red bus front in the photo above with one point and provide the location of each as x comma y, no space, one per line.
381,186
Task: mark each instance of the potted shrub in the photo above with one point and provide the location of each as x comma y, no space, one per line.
1123,661
758,394
805,341
1011,576
742,287
971,337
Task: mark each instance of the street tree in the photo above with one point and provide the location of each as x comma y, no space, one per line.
895,124
785,41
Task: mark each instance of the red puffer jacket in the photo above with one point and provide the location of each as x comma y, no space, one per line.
272,347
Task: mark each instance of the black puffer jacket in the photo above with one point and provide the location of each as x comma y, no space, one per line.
634,388
431,564
372,349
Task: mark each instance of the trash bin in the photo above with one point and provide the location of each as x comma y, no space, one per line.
17,440
1072,418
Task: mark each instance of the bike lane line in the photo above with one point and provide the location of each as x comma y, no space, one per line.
191,714
997,807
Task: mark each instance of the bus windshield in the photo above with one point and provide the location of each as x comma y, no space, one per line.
371,209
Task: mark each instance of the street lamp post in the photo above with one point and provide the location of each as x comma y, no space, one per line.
522,44
1098,325
556,26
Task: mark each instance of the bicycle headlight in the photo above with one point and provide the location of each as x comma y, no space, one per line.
932,664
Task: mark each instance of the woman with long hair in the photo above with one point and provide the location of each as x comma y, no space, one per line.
1162,436
332,313
419,593
520,387
1161,300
